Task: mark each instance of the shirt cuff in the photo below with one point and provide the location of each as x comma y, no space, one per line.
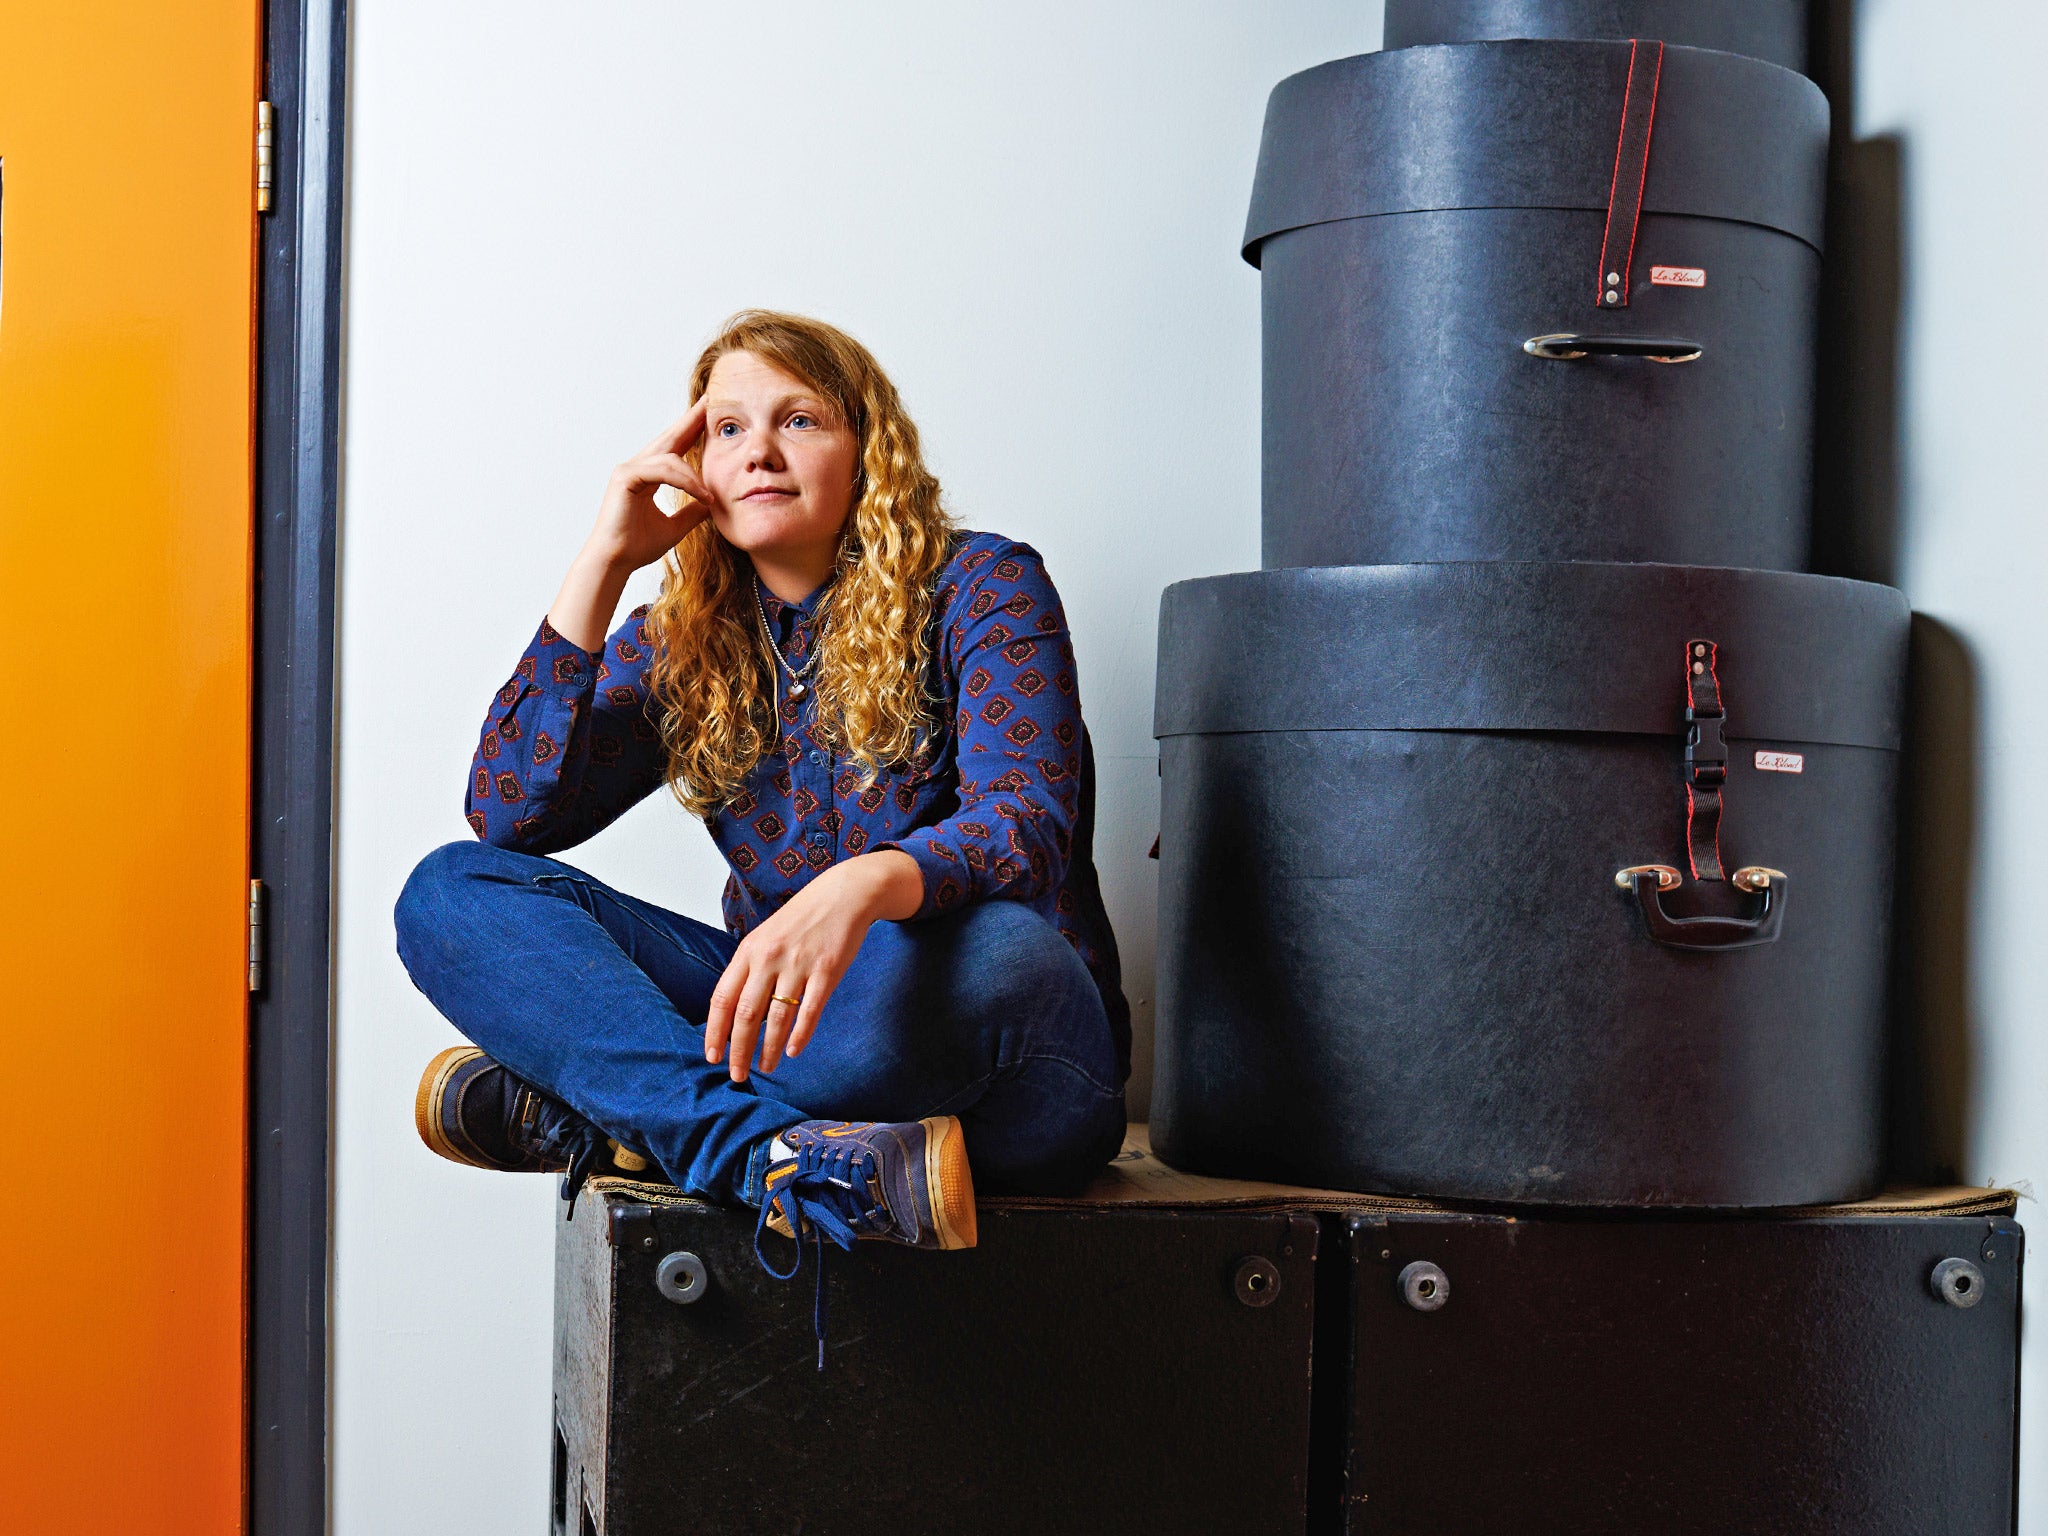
945,877
561,677
562,668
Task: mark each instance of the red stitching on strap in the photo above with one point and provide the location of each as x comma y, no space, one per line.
1714,671
1624,266
1690,863
1642,181
1614,181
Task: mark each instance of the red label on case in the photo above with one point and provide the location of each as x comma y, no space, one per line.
1679,277
1781,762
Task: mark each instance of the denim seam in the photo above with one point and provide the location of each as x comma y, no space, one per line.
972,1092
1072,1066
640,924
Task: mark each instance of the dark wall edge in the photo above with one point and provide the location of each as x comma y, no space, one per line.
298,382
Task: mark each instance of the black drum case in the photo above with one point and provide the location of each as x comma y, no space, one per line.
1774,30
1449,373
1393,951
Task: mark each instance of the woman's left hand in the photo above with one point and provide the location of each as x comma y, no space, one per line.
801,952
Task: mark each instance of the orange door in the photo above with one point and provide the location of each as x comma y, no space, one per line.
127,287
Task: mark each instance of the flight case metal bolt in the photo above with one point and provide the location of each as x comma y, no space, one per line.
1425,1287
1958,1282
1257,1282
682,1278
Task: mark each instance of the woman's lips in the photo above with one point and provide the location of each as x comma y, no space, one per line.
768,491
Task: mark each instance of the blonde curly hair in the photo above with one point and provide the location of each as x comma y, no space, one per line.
712,677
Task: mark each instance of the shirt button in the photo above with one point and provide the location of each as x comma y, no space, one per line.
817,757
818,839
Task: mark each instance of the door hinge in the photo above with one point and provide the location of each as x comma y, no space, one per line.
255,935
266,120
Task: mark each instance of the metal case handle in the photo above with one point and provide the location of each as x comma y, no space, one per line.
1569,346
1771,889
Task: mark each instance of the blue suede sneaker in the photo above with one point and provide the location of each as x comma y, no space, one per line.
469,1109
854,1180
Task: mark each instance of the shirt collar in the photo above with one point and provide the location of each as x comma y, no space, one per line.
785,618
791,623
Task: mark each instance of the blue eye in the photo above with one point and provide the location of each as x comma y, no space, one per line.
803,419
728,428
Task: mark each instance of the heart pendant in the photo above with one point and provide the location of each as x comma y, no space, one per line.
797,690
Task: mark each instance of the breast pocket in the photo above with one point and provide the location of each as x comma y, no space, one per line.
920,791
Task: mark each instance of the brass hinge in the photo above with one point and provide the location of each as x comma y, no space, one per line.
266,119
255,935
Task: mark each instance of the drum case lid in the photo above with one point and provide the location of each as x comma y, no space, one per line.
1530,646
1533,124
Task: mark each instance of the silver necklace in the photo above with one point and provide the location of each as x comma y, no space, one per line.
797,686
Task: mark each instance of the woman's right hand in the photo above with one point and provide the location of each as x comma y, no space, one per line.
631,531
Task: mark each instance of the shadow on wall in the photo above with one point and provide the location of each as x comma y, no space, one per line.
1857,532
1933,1039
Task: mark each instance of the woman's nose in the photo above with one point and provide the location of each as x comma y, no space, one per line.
764,452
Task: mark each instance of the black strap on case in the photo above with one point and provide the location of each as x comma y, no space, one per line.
1706,759
1631,167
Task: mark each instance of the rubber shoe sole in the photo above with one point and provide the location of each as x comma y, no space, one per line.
432,1095
948,1182
427,1118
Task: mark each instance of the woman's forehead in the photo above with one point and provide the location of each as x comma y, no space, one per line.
742,377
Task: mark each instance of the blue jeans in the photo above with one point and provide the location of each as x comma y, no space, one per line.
599,999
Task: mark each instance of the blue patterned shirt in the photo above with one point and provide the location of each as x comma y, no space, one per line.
998,807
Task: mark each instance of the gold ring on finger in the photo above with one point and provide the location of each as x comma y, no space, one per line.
794,1002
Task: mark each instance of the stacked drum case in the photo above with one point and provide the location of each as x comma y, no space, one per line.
1395,800
1527,821
1445,375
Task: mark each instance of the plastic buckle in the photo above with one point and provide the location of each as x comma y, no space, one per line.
1706,752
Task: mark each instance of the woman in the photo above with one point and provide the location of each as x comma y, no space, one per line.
876,716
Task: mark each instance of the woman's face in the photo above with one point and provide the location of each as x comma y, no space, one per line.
779,464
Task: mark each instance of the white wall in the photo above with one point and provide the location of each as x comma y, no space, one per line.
1957,83
1029,212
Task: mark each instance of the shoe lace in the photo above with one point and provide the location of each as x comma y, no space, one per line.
556,1132
831,1193
582,1164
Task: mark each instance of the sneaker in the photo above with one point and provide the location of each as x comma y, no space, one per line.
471,1110
854,1180
898,1183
